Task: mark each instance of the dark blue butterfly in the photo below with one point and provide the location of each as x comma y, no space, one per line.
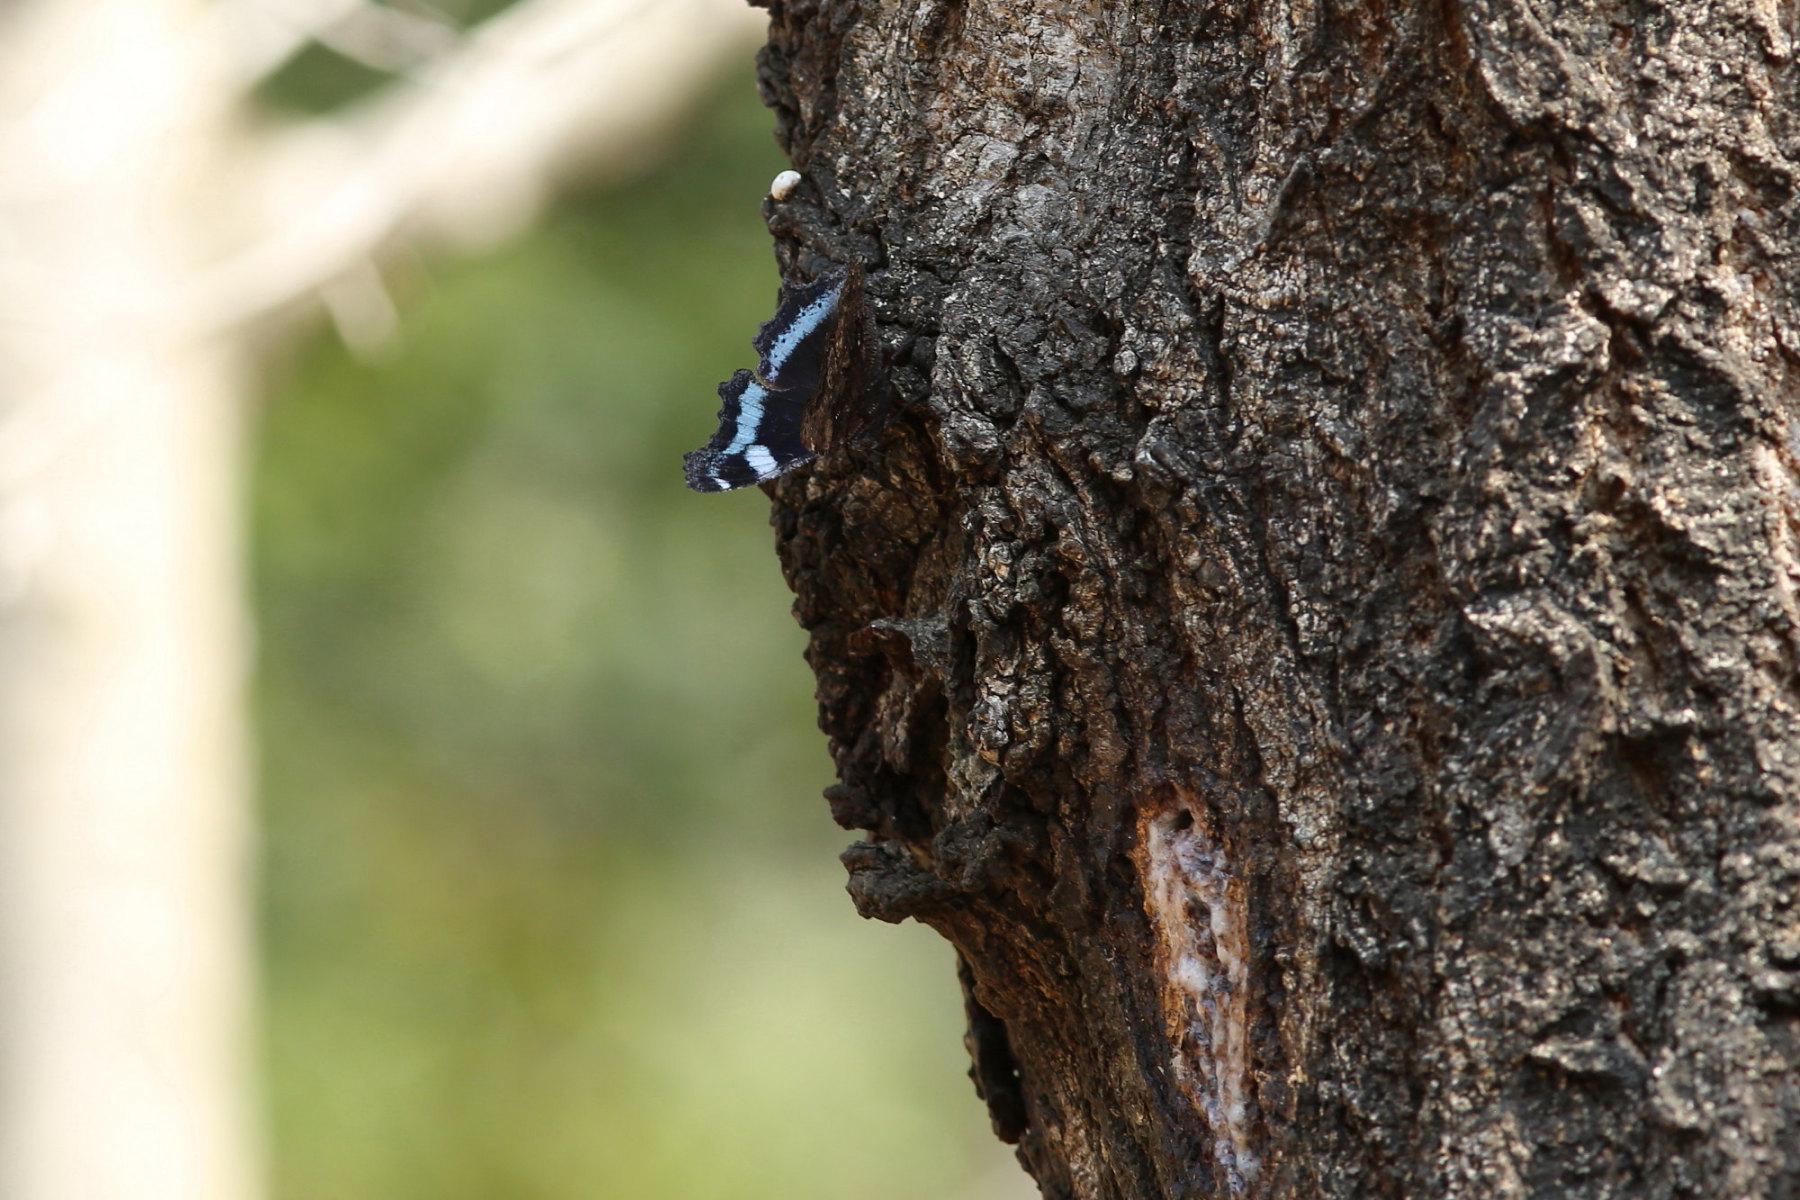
818,386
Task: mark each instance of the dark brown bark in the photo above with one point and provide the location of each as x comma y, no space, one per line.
1320,636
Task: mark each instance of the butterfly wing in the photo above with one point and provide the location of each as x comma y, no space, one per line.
759,422
758,437
792,344
852,393
806,394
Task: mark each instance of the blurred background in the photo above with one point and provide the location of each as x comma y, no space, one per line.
408,788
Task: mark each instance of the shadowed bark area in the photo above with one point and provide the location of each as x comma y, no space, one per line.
1319,637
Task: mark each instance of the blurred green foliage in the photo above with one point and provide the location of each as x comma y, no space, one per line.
551,905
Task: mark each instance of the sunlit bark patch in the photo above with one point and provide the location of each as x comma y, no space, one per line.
1195,901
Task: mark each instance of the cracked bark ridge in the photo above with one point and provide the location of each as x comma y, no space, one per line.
1320,636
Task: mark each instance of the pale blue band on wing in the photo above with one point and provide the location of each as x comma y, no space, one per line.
749,416
805,323
761,461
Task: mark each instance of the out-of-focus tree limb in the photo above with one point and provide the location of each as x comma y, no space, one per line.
467,147
262,35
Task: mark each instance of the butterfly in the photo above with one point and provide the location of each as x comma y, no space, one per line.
818,387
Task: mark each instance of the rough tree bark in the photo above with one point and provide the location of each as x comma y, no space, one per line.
1320,637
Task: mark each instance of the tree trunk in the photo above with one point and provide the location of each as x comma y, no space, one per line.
125,923
1320,637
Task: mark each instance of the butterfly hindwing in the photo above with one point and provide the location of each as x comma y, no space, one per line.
771,420
758,438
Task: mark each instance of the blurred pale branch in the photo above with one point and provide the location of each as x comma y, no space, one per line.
148,215
468,145
262,35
